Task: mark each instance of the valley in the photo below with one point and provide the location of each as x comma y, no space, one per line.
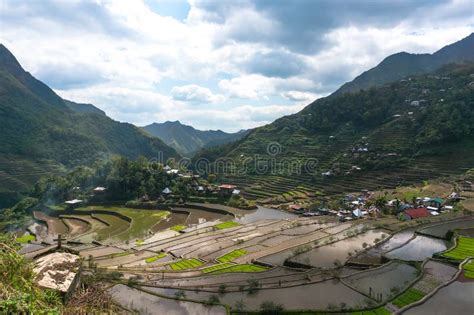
362,202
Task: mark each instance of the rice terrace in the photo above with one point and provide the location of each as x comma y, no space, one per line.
205,157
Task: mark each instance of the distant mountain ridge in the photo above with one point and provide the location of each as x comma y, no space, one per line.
37,125
187,140
414,128
403,64
83,108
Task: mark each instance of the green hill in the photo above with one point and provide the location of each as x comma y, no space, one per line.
411,130
187,140
40,133
83,108
403,64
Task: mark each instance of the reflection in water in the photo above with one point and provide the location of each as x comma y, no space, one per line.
263,213
145,303
418,249
458,297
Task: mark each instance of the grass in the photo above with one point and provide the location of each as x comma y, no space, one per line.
184,264
378,311
226,225
178,227
469,269
142,220
463,249
241,268
139,242
115,226
410,296
232,255
155,258
19,293
25,239
217,267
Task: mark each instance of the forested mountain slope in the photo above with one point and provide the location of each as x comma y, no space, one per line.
404,64
187,140
413,129
39,133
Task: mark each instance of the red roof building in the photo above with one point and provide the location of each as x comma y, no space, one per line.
295,208
416,213
227,186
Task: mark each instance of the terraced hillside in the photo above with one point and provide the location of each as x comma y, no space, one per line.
412,130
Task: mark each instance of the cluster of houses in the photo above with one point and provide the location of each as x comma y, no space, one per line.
354,208
423,207
357,206
199,188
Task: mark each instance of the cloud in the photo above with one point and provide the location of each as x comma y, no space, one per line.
195,93
228,64
279,64
67,76
299,96
301,25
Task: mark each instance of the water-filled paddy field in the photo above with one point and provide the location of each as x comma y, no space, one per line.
441,230
385,281
418,249
145,303
322,295
328,256
262,213
457,297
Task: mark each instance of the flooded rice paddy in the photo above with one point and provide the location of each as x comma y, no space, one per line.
262,213
385,281
441,230
321,295
149,304
457,296
418,249
328,256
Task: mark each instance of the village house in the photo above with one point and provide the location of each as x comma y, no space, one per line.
200,190
466,185
296,208
414,213
73,202
435,202
99,190
358,213
225,190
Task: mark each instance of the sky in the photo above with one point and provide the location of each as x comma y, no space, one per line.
217,64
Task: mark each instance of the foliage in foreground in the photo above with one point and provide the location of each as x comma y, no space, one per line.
18,291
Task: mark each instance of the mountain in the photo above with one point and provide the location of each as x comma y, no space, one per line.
187,140
411,130
83,108
40,133
404,64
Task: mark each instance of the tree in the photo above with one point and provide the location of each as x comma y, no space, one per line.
213,300
239,305
222,288
253,286
180,294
